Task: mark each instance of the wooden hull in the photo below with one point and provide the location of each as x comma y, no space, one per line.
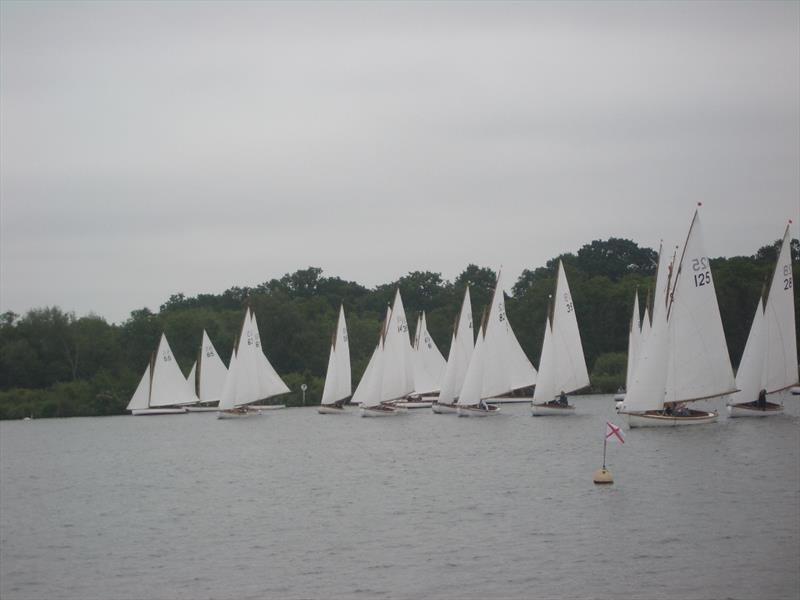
413,403
139,412
746,409
444,409
476,411
658,419
545,410
330,409
235,414
380,411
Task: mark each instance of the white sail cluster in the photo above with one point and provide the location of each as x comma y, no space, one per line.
250,376
498,364
162,384
390,372
208,374
684,357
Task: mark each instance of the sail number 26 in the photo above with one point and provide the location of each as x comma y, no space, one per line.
787,274
702,274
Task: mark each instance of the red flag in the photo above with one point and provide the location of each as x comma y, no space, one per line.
614,433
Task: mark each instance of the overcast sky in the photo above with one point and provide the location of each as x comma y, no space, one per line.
154,148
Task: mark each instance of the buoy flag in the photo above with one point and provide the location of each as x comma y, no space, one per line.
614,433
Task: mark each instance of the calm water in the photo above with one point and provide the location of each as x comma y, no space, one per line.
296,504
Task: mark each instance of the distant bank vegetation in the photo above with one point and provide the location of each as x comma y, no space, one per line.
55,364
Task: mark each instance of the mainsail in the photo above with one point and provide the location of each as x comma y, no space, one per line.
338,385
460,352
429,364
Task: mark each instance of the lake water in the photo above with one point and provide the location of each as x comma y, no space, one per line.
294,504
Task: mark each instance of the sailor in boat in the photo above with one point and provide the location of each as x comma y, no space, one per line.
482,404
761,403
682,410
560,401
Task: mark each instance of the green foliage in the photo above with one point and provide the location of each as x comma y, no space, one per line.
54,364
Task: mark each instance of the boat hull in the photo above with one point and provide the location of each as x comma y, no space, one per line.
796,390
380,411
444,409
546,410
746,409
511,400
413,404
235,414
476,411
140,412
330,409
658,419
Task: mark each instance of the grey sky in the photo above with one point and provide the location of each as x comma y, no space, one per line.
149,148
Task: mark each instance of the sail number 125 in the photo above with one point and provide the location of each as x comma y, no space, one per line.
702,274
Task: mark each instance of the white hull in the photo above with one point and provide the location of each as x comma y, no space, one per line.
202,408
748,410
475,411
158,411
656,419
227,414
380,411
545,410
330,410
444,409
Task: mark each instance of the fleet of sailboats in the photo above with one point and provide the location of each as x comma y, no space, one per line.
162,389
684,357
677,355
562,367
769,360
250,376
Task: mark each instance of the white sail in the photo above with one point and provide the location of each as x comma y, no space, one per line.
507,368
191,379
246,376
227,398
645,390
398,370
269,382
570,364
781,350
634,339
546,387
141,397
699,364
168,387
368,391
471,390
337,378
429,364
645,328
212,372
750,375
460,352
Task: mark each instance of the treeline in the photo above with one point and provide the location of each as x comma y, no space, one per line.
53,363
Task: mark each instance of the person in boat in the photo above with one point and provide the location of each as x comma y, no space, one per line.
681,410
562,398
482,405
762,399
668,410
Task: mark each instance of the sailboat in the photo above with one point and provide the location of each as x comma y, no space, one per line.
684,357
162,389
562,368
769,360
634,341
250,377
500,367
338,386
429,366
207,377
461,346
390,375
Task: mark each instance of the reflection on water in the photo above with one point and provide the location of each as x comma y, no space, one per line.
295,504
